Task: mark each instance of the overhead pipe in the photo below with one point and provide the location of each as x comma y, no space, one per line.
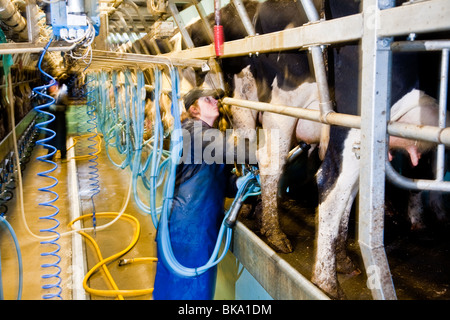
12,18
202,14
13,48
326,106
136,8
140,59
138,38
244,17
127,31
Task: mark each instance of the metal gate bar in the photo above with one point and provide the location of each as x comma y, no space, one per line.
375,97
438,184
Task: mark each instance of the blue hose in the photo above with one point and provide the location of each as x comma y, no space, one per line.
164,245
131,115
249,187
19,260
42,126
118,132
137,124
155,168
94,182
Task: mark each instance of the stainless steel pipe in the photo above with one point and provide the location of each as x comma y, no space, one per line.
399,129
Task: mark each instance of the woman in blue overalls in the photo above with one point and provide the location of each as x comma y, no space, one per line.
198,205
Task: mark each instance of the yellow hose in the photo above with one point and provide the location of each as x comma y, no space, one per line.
123,262
102,263
118,293
88,156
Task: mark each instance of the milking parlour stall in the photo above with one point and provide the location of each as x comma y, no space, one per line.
233,152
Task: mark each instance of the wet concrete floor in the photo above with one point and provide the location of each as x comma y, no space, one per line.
419,260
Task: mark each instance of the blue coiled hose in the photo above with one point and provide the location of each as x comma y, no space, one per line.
19,259
94,182
42,126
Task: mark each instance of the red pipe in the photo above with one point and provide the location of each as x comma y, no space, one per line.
218,30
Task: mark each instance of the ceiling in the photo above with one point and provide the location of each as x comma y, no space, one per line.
138,14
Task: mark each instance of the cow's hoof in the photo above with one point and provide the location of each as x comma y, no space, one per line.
346,266
334,291
279,242
246,211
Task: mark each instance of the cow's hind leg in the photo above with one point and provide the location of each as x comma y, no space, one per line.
330,253
336,197
274,144
344,263
243,120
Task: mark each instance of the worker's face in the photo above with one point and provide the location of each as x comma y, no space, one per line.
209,107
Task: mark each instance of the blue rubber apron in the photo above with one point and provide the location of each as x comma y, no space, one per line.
197,212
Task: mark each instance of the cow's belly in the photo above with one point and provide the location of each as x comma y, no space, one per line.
304,96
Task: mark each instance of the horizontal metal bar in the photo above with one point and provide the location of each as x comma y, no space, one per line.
399,129
331,31
148,59
313,115
276,275
415,184
27,47
421,17
424,45
416,132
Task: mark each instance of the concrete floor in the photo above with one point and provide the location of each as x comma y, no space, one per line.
114,185
419,261
31,248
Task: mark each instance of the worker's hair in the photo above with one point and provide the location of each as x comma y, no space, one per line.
193,112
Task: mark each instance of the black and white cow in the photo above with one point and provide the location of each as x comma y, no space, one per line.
338,177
